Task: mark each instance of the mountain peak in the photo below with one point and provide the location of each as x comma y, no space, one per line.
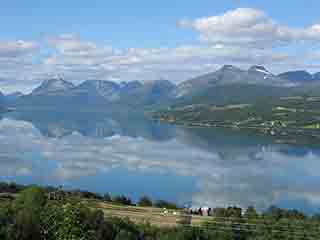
100,88
316,76
229,67
98,85
130,85
260,69
52,85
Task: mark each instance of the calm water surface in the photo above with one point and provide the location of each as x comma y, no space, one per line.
125,153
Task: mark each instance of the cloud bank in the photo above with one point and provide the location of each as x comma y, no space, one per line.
249,27
242,37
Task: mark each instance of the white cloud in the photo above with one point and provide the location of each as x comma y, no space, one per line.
91,61
249,28
241,37
15,49
71,46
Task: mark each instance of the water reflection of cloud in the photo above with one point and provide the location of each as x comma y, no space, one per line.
253,175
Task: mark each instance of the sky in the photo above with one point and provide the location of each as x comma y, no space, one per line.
150,40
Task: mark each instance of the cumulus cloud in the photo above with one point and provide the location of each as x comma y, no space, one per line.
249,28
17,63
241,37
70,45
14,49
78,59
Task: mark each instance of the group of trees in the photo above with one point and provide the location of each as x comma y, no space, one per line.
144,201
31,216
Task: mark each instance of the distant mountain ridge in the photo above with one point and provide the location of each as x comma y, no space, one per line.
2,98
98,89
61,93
52,86
13,96
227,75
227,85
300,76
3,103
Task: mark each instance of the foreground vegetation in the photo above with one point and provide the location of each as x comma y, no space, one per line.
29,215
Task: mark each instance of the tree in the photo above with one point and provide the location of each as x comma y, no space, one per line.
73,225
165,204
220,212
27,225
33,198
107,197
29,205
234,212
251,213
145,202
122,200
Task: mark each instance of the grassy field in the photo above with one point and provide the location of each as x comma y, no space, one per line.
154,216
151,215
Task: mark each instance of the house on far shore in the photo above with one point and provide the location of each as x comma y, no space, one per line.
202,211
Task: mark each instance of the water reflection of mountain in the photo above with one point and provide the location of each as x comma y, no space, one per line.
232,145
216,167
58,124
229,144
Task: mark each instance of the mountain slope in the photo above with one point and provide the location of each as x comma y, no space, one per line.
149,93
13,96
232,85
228,85
2,99
229,75
316,76
292,119
297,76
97,89
96,94
2,102
52,86
235,94
301,77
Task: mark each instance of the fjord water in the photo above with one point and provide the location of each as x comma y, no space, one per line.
125,153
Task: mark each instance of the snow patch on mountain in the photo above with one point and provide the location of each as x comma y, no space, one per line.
260,69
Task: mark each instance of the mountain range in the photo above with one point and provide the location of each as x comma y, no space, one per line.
227,75
300,76
2,101
227,85
94,93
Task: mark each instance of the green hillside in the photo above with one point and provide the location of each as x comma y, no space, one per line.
283,117
234,94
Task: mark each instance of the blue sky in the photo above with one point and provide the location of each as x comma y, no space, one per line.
140,23
41,36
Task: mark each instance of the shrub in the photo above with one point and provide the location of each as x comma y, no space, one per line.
122,200
32,198
145,202
165,204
